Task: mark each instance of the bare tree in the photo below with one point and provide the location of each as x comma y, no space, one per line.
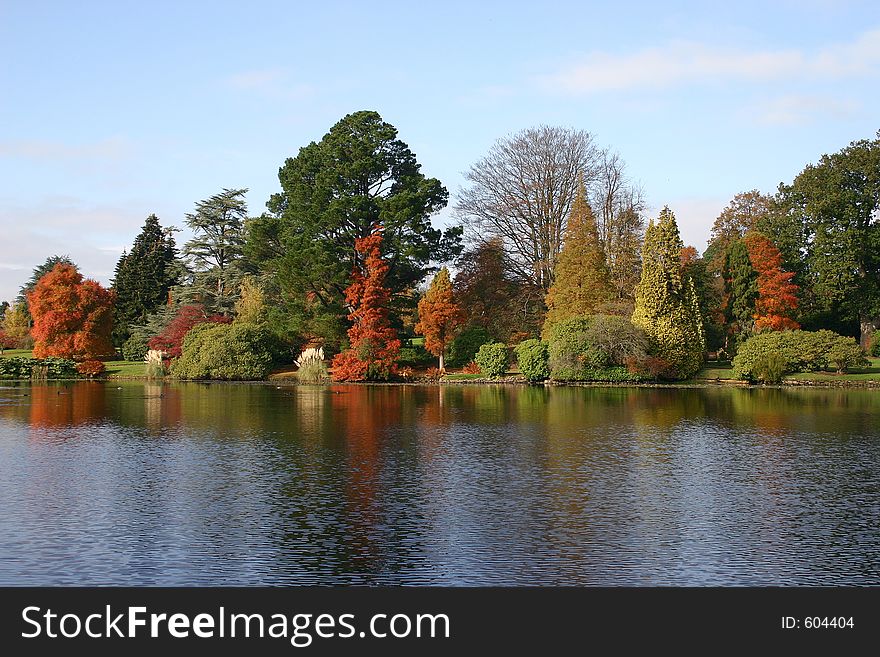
521,192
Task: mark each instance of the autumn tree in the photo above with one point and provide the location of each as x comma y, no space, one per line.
251,305
439,315
743,214
73,318
143,277
489,295
581,282
666,306
372,355
16,324
776,299
170,340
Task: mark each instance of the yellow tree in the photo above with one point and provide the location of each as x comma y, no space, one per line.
439,315
582,281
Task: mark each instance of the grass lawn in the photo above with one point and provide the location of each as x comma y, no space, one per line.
723,370
715,370
12,353
115,368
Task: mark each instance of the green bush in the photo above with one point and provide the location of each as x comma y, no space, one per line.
229,352
769,367
135,348
533,359
20,367
312,370
875,344
801,351
466,344
492,359
415,356
571,352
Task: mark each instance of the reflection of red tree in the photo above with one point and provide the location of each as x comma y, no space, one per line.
365,412
162,405
64,406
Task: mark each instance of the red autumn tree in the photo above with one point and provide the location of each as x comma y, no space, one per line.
777,295
72,317
170,340
374,344
439,315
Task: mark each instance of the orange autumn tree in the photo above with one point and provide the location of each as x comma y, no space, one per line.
374,344
73,318
439,315
777,295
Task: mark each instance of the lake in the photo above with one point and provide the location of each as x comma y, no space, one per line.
135,483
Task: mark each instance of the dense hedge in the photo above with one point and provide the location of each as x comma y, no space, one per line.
239,352
533,359
595,348
493,359
466,344
759,357
19,367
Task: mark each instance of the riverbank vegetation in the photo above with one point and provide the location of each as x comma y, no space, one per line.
553,268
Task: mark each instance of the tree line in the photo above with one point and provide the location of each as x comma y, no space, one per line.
551,243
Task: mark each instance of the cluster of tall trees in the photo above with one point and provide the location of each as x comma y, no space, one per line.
549,227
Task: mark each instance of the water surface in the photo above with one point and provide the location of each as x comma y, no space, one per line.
198,484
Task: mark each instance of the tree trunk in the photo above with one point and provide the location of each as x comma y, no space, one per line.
868,326
441,362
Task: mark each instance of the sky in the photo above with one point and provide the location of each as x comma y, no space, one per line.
111,111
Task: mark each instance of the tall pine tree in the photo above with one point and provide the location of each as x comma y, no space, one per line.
582,281
666,301
740,291
143,277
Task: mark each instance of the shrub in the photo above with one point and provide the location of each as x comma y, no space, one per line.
769,367
571,352
312,370
155,364
433,374
650,367
37,368
875,344
471,368
466,344
617,338
91,368
239,352
415,356
492,359
846,353
533,358
801,351
136,347
170,340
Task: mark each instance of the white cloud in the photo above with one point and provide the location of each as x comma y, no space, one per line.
681,62
802,110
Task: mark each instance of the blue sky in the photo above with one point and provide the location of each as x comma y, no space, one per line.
111,111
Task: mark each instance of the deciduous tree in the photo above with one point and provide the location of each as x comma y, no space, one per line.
374,343
777,299
16,324
73,318
439,315
170,340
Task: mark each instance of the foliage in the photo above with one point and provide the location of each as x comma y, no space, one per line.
570,351
595,348
415,356
172,337
471,368
251,305
743,214
777,295
91,368
439,315
802,351
7,341
374,344
875,345
72,317
709,296
533,359
16,326
333,193
312,370
493,359
215,252
740,290
229,352
828,229
491,298
143,278
581,277
650,367
155,364
38,273
769,367
18,367
434,374
666,302
466,344
136,347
